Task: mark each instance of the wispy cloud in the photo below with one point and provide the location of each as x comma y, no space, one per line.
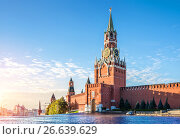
37,75
150,72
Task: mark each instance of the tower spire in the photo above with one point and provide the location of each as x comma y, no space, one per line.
53,98
95,63
110,25
71,79
88,81
39,110
39,105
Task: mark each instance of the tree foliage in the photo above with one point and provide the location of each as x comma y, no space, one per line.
147,105
137,105
143,105
127,106
59,106
160,105
154,103
47,109
121,104
151,106
166,105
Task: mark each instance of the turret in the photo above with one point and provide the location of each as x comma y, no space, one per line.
88,81
71,87
53,98
39,110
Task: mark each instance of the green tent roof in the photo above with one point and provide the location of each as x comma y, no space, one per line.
110,25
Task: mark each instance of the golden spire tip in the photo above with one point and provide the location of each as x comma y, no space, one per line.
110,9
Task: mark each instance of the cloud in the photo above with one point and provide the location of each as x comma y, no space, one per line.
145,76
148,74
72,65
37,75
39,49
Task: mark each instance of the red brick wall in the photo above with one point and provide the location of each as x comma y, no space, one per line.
116,76
96,88
78,102
104,78
106,95
161,91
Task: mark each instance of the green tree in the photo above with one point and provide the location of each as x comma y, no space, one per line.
147,105
121,104
154,103
127,105
151,106
47,109
137,105
63,106
160,105
59,106
143,105
166,105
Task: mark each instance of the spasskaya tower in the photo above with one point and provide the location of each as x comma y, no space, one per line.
109,77
110,69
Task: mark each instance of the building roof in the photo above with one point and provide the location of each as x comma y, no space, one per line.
88,81
71,79
110,24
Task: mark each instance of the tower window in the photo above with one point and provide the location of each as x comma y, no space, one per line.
93,94
111,35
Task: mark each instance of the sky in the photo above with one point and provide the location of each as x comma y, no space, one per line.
43,43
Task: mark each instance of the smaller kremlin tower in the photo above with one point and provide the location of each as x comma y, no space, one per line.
39,110
53,98
70,90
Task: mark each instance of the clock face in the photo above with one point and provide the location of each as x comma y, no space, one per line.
116,52
106,52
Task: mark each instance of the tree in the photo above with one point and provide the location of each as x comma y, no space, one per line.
147,105
160,105
154,103
127,105
151,106
63,106
59,106
47,109
137,105
143,105
166,105
121,104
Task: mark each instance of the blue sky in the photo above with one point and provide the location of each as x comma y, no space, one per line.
43,42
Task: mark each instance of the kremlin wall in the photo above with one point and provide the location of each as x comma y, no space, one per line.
110,83
158,91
